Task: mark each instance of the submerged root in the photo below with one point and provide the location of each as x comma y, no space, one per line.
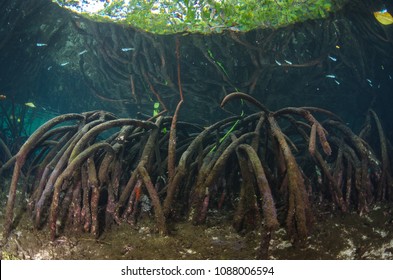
98,170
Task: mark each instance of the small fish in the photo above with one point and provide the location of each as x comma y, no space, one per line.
337,82
3,97
288,62
41,45
278,63
390,77
50,67
369,82
383,68
332,58
30,104
331,76
337,47
127,49
64,63
82,52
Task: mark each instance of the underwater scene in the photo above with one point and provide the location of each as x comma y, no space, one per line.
207,129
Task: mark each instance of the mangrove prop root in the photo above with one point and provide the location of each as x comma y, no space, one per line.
104,176
246,215
95,195
385,186
86,207
310,118
247,97
184,161
298,208
20,160
363,152
47,166
71,168
311,144
159,214
204,184
141,169
82,180
172,143
47,190
126,193
267,202
132,203
104,126
255,141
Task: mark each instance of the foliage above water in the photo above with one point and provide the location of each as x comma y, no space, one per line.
202,16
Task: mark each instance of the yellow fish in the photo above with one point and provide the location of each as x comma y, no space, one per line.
384,17
30,104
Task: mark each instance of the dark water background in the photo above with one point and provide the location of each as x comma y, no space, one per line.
58,79
53,62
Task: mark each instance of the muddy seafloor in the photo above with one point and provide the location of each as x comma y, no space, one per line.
334,236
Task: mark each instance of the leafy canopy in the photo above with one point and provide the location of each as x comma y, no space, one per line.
202,16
